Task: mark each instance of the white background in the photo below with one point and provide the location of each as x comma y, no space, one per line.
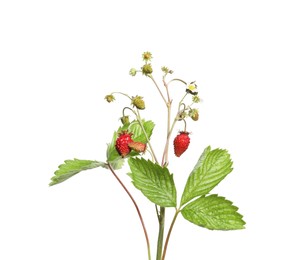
58,59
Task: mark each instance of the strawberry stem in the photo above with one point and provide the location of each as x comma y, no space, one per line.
137,209
146,136
169,233
152,78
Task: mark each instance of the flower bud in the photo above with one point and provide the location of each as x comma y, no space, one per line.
138,102
196,99
147,69
110,98
182,115
125,120
133,72
165,69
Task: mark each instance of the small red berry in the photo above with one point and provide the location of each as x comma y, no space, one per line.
121,144
181,143
138,147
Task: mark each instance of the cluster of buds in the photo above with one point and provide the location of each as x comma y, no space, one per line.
146,69
166,70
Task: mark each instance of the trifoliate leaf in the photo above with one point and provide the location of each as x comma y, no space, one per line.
154,181
213,212
72,167
211,168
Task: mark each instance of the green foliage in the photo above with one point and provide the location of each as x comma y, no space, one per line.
154,181
138,136
211,168
213,212
71,168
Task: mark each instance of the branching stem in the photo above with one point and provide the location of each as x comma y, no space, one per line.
157,86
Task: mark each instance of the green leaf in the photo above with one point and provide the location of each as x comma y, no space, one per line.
213,212
71,168
211,168
117,164
112,154
154,181
138,136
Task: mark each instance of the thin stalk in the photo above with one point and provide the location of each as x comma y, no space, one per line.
169,233
166,86
146,136
167,142
137,208
177,80
169,131
152,78
122,94
161,217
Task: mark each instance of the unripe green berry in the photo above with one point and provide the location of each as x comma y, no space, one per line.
147,69
138,102
193,113
125,120
110,98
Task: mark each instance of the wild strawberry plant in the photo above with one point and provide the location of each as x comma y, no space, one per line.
131,143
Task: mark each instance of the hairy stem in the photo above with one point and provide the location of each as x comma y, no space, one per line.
146,136
169,233
121,93
152,78
137,209
177,80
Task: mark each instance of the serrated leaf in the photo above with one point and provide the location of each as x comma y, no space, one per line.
72,167
211,168
117,164
154,181
112,154
213,212
138,136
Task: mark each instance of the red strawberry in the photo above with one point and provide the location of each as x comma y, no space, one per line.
181,143
138,147
121,144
